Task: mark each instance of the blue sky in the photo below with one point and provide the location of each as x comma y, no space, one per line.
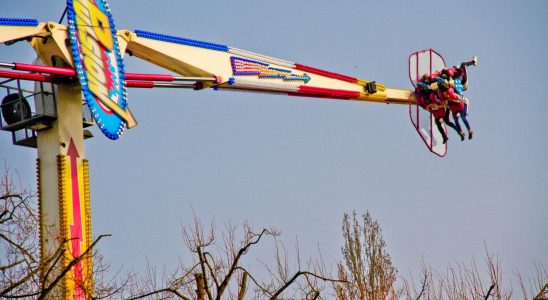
297,163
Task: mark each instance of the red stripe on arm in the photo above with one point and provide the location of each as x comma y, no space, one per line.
310,91
325,73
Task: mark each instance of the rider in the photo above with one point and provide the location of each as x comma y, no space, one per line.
458,109
435,105
458,104
424,91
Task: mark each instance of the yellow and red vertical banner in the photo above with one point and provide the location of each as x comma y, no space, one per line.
75,222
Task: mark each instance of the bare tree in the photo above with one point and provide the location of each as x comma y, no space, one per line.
220,267
20,265
369,274
23,272
218,270
425,288
367,266
461,281
535,288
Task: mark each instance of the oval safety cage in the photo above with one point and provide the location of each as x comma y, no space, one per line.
422,62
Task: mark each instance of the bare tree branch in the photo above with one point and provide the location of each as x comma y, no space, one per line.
243,287
423,286
296,275
263,289
164,290
204,271
489,291
241,252
69,266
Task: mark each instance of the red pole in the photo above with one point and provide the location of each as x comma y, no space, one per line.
25,76
153,77
72,73
45,69
140,84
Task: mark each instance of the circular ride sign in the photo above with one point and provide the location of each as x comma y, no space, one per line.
99,65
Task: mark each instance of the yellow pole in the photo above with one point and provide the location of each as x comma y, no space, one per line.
63,183
65,227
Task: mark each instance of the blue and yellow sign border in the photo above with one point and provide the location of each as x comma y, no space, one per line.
99,65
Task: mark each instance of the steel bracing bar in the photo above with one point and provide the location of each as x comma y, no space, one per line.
7,65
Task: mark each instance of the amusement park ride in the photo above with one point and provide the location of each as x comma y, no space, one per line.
85,58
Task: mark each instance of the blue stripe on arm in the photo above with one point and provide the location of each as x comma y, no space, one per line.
179,40
18,22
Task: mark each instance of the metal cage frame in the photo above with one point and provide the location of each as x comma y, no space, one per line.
31,111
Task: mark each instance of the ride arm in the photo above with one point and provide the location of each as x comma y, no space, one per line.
238,69
47,38
12,30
